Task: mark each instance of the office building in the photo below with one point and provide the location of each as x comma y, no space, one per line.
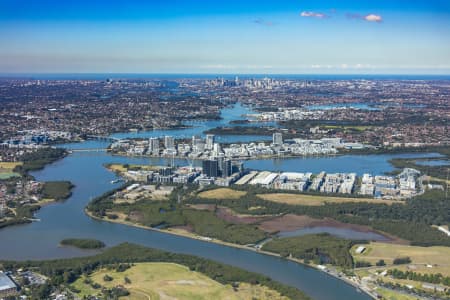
210,168
225,168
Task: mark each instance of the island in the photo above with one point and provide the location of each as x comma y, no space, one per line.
83,243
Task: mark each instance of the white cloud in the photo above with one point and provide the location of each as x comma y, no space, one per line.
313,14
373,18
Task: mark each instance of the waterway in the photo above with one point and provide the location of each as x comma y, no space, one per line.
228,114
39,240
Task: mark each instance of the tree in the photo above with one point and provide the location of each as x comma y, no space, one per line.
380,263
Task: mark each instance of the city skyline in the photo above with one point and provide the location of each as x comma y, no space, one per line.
286,37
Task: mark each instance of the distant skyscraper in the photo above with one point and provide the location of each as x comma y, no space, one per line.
216,149
277,138
210,167
169,142
209,141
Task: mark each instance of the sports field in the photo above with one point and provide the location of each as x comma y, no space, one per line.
6,169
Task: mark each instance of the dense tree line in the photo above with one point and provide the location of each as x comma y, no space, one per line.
64,271
37,160
437,278
169,214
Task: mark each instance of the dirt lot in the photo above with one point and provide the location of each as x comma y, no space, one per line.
222,193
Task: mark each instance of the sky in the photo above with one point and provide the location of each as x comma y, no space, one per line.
230,37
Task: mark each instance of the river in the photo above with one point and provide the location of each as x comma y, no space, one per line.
39,240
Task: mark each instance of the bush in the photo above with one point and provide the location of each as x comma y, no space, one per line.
380,263
107,278
402,260
363,264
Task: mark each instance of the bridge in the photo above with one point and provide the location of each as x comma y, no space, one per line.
89,150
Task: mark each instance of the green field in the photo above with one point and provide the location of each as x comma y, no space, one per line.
6,169
436,256
170,281
392,295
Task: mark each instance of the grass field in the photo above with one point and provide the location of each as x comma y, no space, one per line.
391,295
171,281
357,128
312,200
6,169
222,193
436,256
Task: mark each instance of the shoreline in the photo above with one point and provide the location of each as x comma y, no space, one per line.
243,247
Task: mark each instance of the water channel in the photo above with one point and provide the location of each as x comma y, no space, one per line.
39,240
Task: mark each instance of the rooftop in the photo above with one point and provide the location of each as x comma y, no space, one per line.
6,283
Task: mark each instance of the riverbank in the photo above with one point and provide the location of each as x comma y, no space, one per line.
51,192
187,234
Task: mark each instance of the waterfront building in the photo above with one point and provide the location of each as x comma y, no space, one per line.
277,138
153,146
169,142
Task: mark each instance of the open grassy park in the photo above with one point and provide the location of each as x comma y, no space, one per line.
437,257
222,193
313,200
6,169
170,281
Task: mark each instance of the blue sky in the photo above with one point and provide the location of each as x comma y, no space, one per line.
174,36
